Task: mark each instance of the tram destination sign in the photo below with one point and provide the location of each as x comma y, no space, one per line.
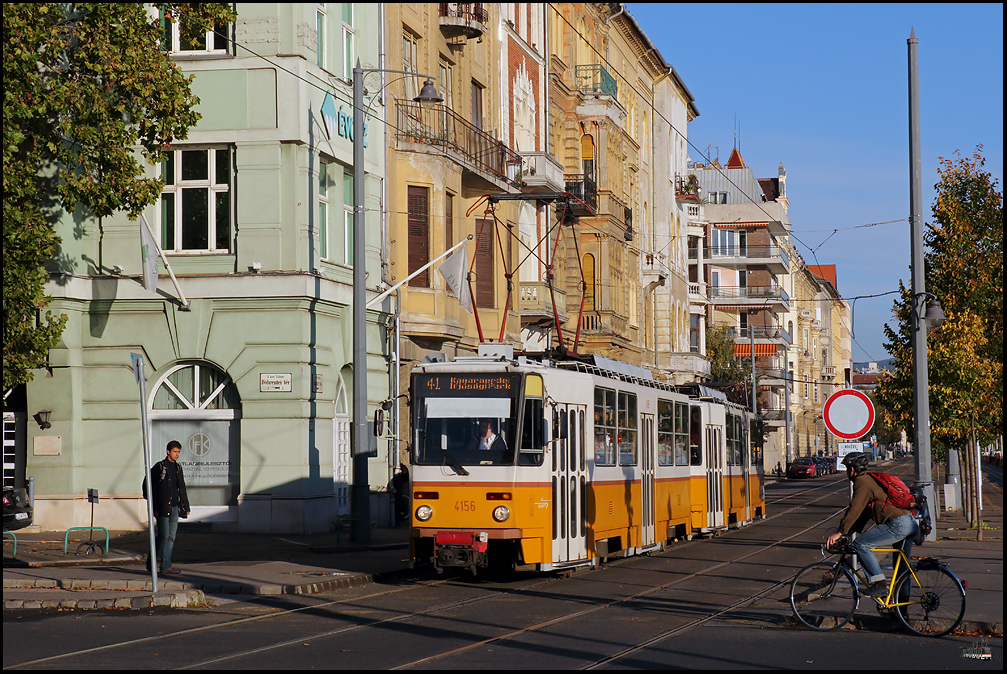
459,385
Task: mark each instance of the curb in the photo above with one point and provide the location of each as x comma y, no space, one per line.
161,599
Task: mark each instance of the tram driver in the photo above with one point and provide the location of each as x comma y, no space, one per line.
487,439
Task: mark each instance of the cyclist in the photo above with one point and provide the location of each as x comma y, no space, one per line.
892,525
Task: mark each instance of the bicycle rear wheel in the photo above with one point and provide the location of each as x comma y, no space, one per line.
823,596
933,607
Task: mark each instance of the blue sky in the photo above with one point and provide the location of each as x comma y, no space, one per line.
824,89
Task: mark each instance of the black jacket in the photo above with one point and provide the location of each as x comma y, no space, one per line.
162,489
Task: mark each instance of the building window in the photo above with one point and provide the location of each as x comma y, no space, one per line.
816,391
213,43
349,55
449,220
324,185
446,76
807,386
589,282
196,200
410,61
484,265
348,218
419,234
722,243
320,35
477,104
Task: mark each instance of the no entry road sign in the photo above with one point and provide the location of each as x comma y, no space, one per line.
849,414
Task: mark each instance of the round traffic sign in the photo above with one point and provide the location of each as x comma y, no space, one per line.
849,414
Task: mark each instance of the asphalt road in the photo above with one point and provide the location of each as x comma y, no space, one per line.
718,603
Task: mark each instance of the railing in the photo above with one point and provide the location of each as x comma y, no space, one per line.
759,333
594,79
748,252
470,11
750,292
582,186
441,126
828,370
534,298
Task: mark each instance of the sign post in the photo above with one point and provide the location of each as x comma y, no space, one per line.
848,414
141,380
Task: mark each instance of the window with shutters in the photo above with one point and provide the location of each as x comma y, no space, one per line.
419,234
484,265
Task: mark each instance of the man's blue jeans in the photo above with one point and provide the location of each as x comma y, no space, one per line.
885,536
166,528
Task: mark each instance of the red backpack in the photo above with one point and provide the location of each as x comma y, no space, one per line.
898,493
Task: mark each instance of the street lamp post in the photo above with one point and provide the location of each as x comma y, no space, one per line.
361,491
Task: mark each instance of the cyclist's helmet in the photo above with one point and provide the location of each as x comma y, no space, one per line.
857,461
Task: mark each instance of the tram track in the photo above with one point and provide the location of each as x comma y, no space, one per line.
449,606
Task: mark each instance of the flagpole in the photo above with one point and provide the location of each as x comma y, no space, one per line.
417,272
178,289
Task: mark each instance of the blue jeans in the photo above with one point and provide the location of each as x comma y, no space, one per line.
166,528
887,535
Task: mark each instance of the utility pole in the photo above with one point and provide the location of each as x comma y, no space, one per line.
921,388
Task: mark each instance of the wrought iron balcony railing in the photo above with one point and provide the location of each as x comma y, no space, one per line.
441,126
594,79
582,186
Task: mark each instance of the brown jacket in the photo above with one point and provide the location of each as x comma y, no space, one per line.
868,500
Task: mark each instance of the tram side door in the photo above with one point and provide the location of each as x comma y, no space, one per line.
714,477
569,483
647,481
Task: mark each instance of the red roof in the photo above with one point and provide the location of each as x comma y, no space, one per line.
770,188
825,271
735,161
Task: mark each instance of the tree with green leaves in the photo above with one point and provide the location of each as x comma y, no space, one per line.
964,259
724,367
89,90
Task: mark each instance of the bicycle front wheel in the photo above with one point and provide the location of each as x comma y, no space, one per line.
823,596
933,607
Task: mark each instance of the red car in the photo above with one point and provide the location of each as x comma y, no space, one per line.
803,467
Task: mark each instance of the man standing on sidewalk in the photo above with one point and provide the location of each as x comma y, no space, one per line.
170,503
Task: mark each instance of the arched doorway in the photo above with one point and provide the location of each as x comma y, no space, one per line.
198,405
341,463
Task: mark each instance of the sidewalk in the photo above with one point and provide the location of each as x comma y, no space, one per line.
210,563
270,564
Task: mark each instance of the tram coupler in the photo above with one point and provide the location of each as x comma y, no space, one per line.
460,549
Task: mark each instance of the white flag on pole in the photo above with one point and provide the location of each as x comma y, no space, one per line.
455,271
148,256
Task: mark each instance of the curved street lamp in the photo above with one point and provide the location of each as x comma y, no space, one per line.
361,491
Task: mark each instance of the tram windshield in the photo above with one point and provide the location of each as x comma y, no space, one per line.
465,431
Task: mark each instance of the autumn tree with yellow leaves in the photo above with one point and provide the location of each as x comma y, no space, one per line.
964,263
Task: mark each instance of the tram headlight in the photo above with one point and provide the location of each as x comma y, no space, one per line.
424,512
501,513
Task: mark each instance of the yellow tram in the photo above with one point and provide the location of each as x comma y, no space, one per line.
550,465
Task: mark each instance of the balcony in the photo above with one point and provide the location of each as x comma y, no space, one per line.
772,257
829,371
777,335
773,298
541,172
594,79
441,127
582,186
697,293
535,303
463,19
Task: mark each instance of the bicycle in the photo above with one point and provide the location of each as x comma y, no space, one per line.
926,597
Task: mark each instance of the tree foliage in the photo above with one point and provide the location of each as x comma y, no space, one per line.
88,91
964,259
720,350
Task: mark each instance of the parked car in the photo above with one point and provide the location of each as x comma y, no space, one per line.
17,511
803,467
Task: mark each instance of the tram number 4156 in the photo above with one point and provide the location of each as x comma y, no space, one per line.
465,506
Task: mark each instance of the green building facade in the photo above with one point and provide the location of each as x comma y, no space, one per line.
254,377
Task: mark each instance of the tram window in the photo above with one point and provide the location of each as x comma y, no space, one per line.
627,429
681,434
583,450
665,433
465,431
696,437
532,439
604,427
757,438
